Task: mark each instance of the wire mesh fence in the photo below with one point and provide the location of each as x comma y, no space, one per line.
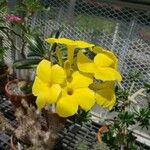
122,29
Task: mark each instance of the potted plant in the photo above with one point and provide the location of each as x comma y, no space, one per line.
17,30
74,77
119,132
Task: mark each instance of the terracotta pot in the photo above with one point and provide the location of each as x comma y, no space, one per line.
13,143
3,78
100,132
16,99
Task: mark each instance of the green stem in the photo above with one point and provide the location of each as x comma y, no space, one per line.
59,56
70,52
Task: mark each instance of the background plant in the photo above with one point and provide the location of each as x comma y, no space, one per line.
82,144
120,135
16,27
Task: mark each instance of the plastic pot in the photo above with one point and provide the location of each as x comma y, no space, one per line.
16,98
100,132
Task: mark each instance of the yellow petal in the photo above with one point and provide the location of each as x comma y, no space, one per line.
66,41
107,74
110,54
57,74
70,53
54,92
40,101
60,41
97,49
80,80
86,98
82,44
104,85
51,40
66,106
36,88
43,96
85,64
45,93
102,60
106,98
44,71
39,87
67,68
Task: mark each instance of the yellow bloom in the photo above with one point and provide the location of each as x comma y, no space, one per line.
109,54
71,45
105,94
103,67
76,94
47,83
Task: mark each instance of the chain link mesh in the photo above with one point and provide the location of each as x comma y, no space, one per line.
121,29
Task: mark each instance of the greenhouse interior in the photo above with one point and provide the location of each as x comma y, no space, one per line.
74,74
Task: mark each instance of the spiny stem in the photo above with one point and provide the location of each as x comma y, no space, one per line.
133,96
131,87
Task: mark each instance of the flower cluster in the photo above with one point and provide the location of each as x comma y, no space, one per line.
78,81
13,19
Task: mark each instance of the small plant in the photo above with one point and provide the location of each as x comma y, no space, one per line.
37,130
82,117
119,136
81,144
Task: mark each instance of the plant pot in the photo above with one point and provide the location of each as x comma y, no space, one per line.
17,98
3,78
100,132
13,143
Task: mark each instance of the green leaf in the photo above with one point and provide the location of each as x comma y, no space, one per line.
147,87
36,45
3,6
26,63
2,21
133,75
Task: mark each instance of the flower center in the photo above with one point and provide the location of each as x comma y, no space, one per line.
69,91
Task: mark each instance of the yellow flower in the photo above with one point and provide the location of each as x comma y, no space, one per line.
105,94
76,94
47,83
103,67
71,45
